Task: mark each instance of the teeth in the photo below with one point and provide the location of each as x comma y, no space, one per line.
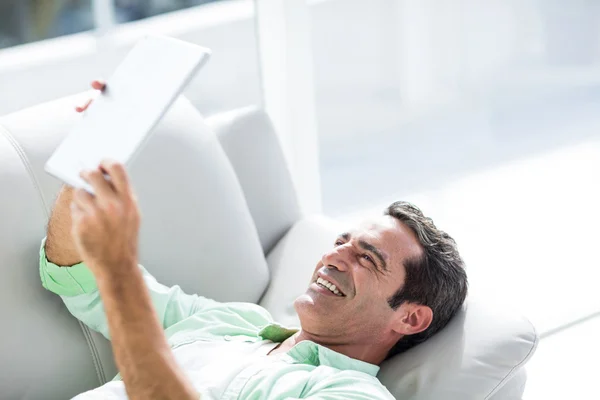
329,286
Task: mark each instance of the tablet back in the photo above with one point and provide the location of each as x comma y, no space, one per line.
137,95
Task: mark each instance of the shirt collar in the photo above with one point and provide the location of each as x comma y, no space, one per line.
309,352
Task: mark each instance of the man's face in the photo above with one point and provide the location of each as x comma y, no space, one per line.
366,267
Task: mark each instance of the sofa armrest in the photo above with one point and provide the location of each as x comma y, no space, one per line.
514,388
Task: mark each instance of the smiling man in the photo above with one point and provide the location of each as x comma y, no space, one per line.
384,287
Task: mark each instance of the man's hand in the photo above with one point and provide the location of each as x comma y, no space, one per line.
104,230
105,226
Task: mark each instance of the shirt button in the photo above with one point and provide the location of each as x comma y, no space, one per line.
227,337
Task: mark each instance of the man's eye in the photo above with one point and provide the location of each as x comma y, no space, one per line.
338,243
368,258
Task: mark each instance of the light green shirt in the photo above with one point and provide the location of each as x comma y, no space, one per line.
307,371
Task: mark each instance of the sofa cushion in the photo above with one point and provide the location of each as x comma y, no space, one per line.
196,232
262,170
481,349
41,345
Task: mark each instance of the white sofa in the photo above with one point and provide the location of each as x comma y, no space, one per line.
220,218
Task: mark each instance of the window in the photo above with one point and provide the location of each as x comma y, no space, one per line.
133,10
410,93
62,67
25,21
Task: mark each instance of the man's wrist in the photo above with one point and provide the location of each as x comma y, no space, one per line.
118,272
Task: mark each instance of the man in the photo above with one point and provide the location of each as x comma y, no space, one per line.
382,288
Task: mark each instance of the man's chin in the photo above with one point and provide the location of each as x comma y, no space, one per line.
312,301
305,308
304,299
314,311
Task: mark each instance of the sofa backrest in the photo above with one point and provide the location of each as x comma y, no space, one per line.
205,239
254,150
219,178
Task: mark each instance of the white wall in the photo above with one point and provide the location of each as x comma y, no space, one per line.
375,58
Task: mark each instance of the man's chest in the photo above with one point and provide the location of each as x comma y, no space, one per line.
220,365
238,368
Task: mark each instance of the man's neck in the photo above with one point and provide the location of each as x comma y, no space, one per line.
370,353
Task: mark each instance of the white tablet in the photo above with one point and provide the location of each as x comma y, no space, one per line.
136,96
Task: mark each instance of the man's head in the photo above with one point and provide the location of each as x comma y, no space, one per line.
398,280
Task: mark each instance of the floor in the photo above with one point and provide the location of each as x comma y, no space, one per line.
519,190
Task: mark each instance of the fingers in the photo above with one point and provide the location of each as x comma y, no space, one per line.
118,175
116,186
83,107
82,203
103,189
96,85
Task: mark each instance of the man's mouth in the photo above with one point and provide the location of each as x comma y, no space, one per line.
328,285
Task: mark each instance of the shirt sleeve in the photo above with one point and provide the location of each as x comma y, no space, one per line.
77,287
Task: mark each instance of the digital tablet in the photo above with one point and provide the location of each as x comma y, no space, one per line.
136,96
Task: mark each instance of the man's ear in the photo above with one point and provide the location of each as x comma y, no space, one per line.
412,318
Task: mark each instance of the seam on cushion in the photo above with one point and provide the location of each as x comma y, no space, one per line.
95,355
519,365
17,147
25,160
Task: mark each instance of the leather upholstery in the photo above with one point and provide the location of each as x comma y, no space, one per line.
218,203
252,145
197,232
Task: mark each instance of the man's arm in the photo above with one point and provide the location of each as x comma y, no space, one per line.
141,351
60,247
143,356
105,228
77,287
76,284
62,272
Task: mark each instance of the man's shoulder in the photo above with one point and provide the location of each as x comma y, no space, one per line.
250,311
236,314
351,381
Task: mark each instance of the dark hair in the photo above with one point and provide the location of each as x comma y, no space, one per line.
437,279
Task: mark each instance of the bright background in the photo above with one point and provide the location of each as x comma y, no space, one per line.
483,113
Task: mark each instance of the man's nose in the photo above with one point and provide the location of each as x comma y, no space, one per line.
336,258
